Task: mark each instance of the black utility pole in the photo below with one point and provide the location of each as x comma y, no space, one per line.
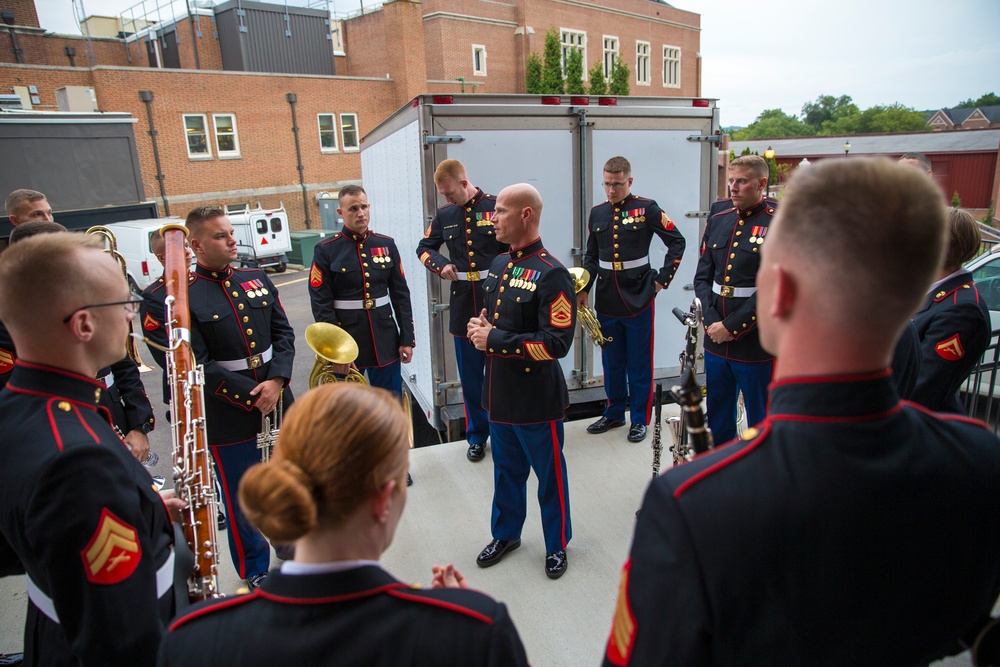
291,98
147,97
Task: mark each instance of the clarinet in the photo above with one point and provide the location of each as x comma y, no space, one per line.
657,445
688,392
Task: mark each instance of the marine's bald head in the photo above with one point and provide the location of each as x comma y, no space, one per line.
517,215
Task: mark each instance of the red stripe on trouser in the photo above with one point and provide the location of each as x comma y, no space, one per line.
557,464
240,551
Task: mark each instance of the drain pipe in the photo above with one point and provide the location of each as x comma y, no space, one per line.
147,97
8,18
291,98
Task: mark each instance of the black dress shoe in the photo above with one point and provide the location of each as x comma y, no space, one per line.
477,451
222,522
409,480
604,424
255,580
494,551
11,659
637,433
555,564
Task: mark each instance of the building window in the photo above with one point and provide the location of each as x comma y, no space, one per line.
642,63
327,133
196,130
349,130
610,55
671,67
574,40
479,60
227,142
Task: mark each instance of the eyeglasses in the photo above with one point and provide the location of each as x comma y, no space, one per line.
131,306
614,186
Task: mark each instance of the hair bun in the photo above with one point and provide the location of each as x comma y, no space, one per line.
277,499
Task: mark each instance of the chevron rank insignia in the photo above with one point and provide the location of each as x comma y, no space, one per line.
149,323
424,256
950,349
538,351
6,361
561,313
315,276
622,637
665,220
429,228
113,553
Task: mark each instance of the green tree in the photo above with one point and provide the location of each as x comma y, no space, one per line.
772,123
877,119
956,201
598,86
552,79
620,77
574,73
987,100
827,108
533,76
772,171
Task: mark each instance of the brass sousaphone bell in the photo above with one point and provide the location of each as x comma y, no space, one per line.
587,317
333,347
108,236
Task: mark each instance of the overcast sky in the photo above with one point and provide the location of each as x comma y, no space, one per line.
925,54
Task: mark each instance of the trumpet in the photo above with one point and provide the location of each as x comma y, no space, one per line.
587,317
270,427
131,349
333,347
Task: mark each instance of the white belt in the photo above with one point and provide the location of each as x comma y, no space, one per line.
256,361
622,266
361,304
164,582
473,276
733,292
108,380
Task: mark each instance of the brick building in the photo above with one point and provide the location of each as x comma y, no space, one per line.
225,135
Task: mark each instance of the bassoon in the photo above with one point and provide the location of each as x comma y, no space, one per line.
194,476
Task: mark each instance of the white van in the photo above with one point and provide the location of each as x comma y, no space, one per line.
132,239
262,235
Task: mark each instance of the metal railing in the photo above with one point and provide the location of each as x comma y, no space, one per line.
980,393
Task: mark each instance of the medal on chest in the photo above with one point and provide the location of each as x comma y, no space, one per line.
254,288
381,255
525,279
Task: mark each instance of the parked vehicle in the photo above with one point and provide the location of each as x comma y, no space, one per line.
262,235
559,144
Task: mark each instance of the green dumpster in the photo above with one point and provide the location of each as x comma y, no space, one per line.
303,243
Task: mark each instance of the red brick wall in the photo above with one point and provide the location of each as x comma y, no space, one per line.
263,120
24,12
405,56
365,43
46,78
40,49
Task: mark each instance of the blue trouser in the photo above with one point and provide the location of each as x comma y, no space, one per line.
250,551
517,449
628,355
471,370
724,379
387,377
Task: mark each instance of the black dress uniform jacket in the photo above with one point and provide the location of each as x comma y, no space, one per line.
954,328
361,617
730,257
472,245
620,232
353,267
850,529
82,516
236,314
532,307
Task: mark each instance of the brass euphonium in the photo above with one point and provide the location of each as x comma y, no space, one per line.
109,236
333,347
587,317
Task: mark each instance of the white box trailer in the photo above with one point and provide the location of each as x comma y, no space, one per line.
262,235
559,144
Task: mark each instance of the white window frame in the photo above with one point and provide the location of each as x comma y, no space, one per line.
357,131
235,152
570,38
333,131
611,54
641,54
671,66
207,155
481,50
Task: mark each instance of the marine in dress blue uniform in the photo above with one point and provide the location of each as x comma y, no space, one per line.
617,257
529,326
725,282
357,283
467,229
954,329
356,616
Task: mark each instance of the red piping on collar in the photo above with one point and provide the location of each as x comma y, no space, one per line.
444,605
765,429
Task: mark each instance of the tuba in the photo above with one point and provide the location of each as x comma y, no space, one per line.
194,478
109,236
588,320
333,347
